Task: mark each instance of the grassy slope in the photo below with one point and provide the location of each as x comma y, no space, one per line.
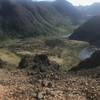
9,57
27,19
62,51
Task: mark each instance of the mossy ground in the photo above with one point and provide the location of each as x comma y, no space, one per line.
62,51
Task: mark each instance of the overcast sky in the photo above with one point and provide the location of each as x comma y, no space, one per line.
79,2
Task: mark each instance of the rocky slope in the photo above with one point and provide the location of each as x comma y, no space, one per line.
38,76
30,85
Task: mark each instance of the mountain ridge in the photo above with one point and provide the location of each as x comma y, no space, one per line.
89,31
90,10
27,18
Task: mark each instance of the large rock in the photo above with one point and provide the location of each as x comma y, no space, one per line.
25,62
41,59
39,63
4,64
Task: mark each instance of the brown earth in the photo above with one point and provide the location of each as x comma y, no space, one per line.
30,85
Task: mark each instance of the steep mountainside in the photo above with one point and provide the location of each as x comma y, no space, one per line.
90,11
89,31
26,18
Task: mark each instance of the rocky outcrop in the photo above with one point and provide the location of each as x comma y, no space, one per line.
39,63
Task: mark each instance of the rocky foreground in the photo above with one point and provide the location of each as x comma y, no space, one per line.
30,85
37,77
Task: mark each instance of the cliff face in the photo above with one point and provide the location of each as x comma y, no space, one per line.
27,18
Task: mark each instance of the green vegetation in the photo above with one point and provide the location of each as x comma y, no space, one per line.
31,19
11,59
61,51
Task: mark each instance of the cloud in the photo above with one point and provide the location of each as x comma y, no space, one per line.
77,2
